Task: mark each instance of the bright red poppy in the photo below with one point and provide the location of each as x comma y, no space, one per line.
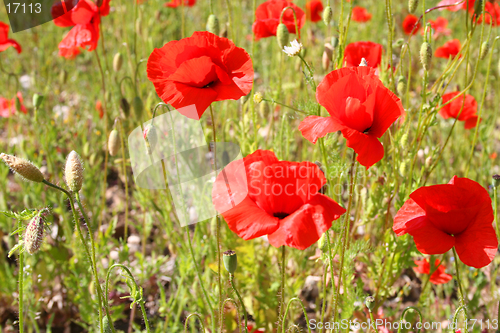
177,3
450,48
411,24
314,10
267,18
494,14
360,106
456,214
5,42
453,109
85,18
9,107
275,198
199,70
360,14
251,329
438,277
355,52
439,26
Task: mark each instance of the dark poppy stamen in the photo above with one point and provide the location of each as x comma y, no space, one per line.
281,216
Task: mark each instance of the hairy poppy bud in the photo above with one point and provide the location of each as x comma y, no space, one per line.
496,181
24,168
37,100
117,62
370,303
230,261
125,106
114,142
412,5
264,109
33,236
478,7
106,325
282,35
327,15
485,48
257,97
138,106
213,24
73,172
63,76
18,104
401,85
151,137
322,244
425,55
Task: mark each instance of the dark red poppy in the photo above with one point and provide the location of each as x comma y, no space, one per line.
5,42
438,277
360,106
355,52
9,107
177,3
453,109
85,18
314,10
450,48
264,196
267,18
455,214
360,14
411,24
439,26
199,70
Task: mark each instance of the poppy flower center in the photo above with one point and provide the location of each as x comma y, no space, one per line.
281,216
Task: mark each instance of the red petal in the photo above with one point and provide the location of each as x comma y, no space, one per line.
408,218
430,240
368,148
477,246
315,127
388,108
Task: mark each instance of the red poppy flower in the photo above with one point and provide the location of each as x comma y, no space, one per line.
267,18
440,27
360,106
438,277
9,107
314,10
450,48
85,18
411,24
199,70
452,110
5,42
455,214
275,198
177,3
256,330
494,14
355,52
360,14
99,109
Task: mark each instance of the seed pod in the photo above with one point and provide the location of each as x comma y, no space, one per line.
138,106
230,261
213,24
496,181
73,172
117,62
37,100
33,236
282,35
125,106
24,168
322,244
106,325
370,303
425,55
412,5
485,48
401,85
150,137
327,15
114,142
257,97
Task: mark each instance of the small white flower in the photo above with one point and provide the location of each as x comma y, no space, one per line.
363,63
294,49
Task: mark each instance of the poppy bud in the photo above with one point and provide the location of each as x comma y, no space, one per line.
138,26
117,62
322,244
264,109
485,48
402,168
24,168
151,137
412,5
425,55
401,85
478,7
33,236
327,15
230,261
18,104
397,44
257,98
370,303
114,142
496,181
106,325
138,106
213,24
73,172
37,100
63,76
325,60
125,106
282,35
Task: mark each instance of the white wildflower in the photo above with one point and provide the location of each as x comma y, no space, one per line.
294,49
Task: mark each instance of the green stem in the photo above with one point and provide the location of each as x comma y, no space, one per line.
495,208
199,319
281,318
124,171
21,287
296,299
462,296
401,319
231,282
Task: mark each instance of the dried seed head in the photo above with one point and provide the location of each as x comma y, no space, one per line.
401,85
33,237
138,106
327,15
114,142
73,172
425,55
485,48
22,167
412,5
282,35
496,180
150,137
230,261
257,97
213,24
117,62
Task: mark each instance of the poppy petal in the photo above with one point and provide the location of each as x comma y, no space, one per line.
477,246
315,127
368,147
431,240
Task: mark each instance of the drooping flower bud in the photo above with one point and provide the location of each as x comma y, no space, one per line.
230,261
485,48
151,137
478,7
496,181
117,62
33,236
37,100
322,244
401,85
63,76
213,24
114,142
138,106
282,35
370,303
22,167
257,97
327,15
125,106
73,172
412,5
425,55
